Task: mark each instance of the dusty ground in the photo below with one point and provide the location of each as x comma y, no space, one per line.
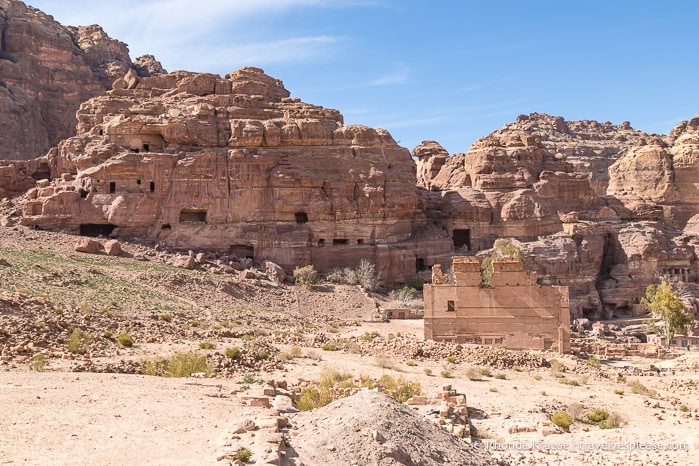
62,417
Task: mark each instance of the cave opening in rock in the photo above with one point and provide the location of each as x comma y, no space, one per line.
340,242
43,172
96,229
461,239
241,250
420,264
193,216
301,217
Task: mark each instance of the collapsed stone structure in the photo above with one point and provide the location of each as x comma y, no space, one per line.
513,312
235,165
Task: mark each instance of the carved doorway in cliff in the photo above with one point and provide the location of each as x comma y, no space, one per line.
96,229
461,239
43,172
241,250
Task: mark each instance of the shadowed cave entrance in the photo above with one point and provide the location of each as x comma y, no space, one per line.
96,229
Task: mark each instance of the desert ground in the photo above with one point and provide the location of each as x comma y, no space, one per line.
96,406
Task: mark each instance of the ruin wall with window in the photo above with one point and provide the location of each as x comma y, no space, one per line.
513,311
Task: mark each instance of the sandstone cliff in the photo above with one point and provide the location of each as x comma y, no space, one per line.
46,72
236,165
595,206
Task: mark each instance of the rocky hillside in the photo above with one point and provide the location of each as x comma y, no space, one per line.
599,207
46,71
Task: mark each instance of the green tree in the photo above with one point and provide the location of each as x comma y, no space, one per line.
502,249
664,302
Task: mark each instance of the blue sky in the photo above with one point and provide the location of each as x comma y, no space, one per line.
451,71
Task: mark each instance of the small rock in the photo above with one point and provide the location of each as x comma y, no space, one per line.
87,245
113,248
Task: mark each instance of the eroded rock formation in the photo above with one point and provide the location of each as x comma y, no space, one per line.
596,207
46,72
234,164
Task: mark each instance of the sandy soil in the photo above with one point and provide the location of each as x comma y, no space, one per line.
95,419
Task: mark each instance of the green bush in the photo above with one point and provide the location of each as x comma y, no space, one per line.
305,275
329,347
38,362
243,455
400,389
597,415
179,365
403,295
233,353
125,339
562,420
79,341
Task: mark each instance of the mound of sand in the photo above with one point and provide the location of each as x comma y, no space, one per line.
370,428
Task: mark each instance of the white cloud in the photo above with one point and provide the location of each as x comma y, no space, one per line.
204,36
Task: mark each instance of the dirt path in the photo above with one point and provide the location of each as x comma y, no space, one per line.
100,419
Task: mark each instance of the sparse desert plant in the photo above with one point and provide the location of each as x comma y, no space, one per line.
305,275
243,455
562,420
125,340
542,393
410,363
597,415
385,363
312,398
262,356
594,362
451,359
493,389
400,389
486,372
416,283
474,374
571,382
640,389
329,347
315,355
403,295
295,352
684,408
576,410
621,379
447,374
166,317
427,371
516,368
349,276
536,377
368,336
612,422
206,345
333,330
366,274
501,376
618,392
79,341
233,353
38,362
335,276
178,365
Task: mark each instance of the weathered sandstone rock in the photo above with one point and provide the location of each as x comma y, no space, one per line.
46,71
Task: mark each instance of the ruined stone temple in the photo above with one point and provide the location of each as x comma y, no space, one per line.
513,312
237,166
